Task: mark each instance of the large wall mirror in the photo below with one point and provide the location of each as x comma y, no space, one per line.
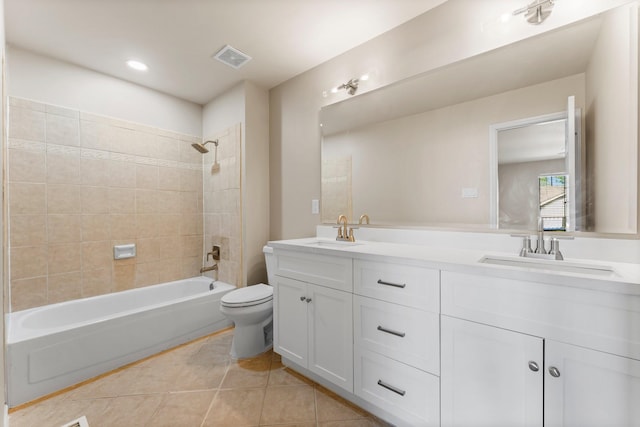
423,151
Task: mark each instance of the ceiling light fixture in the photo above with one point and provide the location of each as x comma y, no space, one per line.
536,12
137,65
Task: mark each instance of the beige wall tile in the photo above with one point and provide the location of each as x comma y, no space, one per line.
64,287
168,178
28,293
95,200
189,202
169,202
122,140
146,225
96,282
96,227
191,224
27,198
124,276
190,180
122,201
26,124
168,148
192,246
94,135
64,258
168,225
63,168
146,201
123,226
191,266
26,166
28,261
28,230
62,130
146,176
169,270
64,228
63,199
97,255
122,174
169,247
147,274
147,250
94,172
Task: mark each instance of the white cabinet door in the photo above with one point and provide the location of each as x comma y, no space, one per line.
290,319
489,376
331,335
588,388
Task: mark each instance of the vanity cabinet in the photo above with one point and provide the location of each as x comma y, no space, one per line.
526,354
313,319
396,338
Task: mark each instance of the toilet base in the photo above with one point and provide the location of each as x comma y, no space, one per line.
252,340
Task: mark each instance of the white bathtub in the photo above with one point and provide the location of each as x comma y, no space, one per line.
55,346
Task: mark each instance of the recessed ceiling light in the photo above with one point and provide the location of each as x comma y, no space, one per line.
137,65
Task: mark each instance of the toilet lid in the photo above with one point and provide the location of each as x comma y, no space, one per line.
251,295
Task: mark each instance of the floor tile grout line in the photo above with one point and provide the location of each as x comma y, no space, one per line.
206,415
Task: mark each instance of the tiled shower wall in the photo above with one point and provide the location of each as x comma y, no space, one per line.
80,183
223,203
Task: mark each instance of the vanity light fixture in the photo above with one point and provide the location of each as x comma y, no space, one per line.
536,12
351,86
137,65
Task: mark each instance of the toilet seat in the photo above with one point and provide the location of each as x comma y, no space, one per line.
249,296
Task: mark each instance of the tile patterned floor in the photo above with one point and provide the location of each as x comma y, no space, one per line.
198,385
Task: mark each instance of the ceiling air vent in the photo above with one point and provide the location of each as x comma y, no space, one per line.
232,57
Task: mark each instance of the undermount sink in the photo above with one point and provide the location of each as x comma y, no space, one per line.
333,243
553,265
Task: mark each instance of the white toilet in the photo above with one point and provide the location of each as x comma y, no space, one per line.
251,309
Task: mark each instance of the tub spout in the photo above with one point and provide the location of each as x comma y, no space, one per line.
214,267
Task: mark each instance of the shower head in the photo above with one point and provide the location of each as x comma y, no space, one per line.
201,147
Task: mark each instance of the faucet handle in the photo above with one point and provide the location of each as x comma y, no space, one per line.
526,244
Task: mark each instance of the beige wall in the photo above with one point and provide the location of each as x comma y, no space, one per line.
222,203
455,30
80,183
611,116
248,105
412,170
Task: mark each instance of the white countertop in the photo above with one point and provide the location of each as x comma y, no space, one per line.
624,277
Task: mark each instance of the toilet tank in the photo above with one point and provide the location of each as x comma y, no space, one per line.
270,261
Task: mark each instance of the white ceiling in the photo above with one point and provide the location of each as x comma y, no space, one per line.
177,38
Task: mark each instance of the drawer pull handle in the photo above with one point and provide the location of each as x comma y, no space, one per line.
395,285
392,332
392,388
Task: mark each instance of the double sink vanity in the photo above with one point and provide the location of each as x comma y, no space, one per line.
429,335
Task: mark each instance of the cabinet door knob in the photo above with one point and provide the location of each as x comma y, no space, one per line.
555,372
308,300
533,366
303,298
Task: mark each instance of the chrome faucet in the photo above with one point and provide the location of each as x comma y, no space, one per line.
540,248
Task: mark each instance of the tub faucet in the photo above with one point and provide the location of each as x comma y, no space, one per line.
214,267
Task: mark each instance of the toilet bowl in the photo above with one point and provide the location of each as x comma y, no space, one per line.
251,310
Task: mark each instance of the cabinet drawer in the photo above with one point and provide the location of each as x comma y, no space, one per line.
406,392
405,334
330,271
402,284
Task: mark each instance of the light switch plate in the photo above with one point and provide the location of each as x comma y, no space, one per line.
315,206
